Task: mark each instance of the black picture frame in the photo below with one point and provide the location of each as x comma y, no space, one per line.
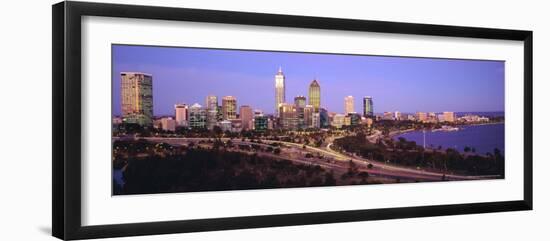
66,127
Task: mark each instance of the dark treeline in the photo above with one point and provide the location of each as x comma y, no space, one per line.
213,170
408,153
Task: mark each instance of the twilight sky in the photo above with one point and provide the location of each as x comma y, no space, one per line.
187,75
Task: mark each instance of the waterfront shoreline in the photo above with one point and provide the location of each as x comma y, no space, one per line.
400,132
483,137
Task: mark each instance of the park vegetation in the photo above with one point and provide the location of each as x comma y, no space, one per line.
408,153
150,167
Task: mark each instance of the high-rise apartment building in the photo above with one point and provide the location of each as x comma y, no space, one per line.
137,98
315,95
229,107
348,104
279,90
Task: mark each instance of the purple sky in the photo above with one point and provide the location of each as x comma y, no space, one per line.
187,75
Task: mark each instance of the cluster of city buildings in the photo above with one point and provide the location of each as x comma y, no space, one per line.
433,117
425,117
301,113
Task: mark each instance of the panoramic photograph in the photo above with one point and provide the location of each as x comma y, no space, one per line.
201,119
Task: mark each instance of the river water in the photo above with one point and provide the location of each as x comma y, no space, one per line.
484,138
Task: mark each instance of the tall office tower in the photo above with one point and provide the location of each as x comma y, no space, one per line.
315,95
246,115
368,109
137,98
323,118
308,115
348,104
182,112
197,116
279,90
211,111
229,107
288,116
300,103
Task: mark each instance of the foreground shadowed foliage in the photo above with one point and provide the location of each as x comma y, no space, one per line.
198,169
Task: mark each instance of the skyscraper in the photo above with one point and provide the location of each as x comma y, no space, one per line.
368,109
246,116
348,104
182,112
315,95
229,107
211,111
197,116
279,90
137,98
300,103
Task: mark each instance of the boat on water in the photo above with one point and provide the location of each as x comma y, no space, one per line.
446,128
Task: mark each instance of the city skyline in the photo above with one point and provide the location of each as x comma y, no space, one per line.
183,79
